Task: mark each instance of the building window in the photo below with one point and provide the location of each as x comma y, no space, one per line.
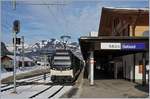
146,33
116,22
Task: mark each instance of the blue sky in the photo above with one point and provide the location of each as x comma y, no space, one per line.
41,22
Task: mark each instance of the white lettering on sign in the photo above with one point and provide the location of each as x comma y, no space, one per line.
110,45
129,46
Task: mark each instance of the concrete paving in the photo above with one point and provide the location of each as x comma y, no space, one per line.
107,87
111,88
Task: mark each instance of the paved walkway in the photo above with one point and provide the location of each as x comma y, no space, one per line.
108,88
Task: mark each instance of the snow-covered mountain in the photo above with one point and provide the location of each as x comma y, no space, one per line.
43,44
37,50
48,46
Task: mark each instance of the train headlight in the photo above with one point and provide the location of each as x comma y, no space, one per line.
53,68
68,68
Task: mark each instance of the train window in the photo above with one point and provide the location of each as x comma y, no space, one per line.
61,57
62,63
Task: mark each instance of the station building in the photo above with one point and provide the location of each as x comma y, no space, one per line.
120,50
7,62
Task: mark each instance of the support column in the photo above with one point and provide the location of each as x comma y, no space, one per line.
86,69
134,60
144,70
115,72
130,62
89,68
92,68
125,69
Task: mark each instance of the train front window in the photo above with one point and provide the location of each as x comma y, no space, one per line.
62,63
60,60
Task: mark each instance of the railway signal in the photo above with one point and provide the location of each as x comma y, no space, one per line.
16,30
18,41
16,26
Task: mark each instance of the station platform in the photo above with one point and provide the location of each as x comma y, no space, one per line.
107,88
110,88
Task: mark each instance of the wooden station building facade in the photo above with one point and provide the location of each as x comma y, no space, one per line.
121,46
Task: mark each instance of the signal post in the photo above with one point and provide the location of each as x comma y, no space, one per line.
16,29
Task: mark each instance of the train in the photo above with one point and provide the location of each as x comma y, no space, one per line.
65,66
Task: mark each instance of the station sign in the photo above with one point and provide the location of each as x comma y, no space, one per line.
119,46
133,46
113,46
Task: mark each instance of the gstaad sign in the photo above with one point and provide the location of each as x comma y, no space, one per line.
132,46
119,46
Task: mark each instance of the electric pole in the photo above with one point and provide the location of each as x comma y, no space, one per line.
14,4
45,63
22,51
14,72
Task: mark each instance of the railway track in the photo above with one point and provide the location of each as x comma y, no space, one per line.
34,91
32,79
40,92
6,87
56,92
37,92
52,91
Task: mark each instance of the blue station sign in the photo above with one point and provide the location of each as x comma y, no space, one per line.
135,46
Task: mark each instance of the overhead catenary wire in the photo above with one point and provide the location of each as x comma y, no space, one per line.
65,20
6,27
55,17
40,4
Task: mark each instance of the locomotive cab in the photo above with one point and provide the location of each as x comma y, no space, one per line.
61,67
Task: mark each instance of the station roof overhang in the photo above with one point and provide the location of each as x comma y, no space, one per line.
100,45
138,16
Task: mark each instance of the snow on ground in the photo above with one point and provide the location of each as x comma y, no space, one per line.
39,79
22,70
26,91
47,80
64,90
49,92
23,92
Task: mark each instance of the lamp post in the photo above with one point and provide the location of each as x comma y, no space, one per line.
22,51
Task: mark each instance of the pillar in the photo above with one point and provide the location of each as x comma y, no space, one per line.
91,68
134,60
130,61
125,71
144,69
115,71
